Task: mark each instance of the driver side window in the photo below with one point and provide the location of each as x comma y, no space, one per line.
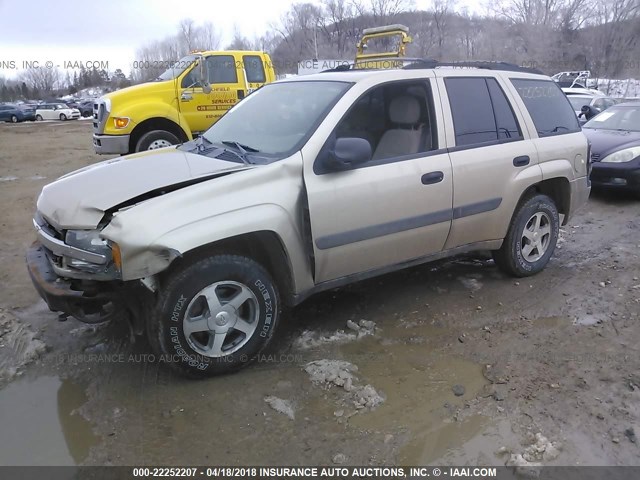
190,80
397,119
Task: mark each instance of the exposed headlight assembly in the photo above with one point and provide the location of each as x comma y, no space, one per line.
622,156
90,241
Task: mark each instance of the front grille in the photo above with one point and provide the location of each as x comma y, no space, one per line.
99,117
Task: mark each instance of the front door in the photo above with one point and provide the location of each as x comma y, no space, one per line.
394,208
200,109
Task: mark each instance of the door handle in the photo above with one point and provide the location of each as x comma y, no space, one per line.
432,177
521,161
185,97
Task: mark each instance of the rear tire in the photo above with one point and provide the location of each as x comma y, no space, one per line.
156,139
531,239
38,118
214,316
14,119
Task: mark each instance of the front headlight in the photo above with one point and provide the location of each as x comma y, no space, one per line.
88,240
622,156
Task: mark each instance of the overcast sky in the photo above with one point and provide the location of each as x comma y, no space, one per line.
111,31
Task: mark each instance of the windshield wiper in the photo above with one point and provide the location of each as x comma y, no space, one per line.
243,148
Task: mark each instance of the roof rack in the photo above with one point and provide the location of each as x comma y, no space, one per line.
509,67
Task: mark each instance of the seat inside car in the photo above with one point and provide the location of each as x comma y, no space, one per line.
406,136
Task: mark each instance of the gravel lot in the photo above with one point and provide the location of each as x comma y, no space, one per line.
449,363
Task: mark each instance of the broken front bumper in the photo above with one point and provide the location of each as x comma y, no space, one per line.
88,301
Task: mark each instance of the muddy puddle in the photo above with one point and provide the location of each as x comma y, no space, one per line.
420,400
41,425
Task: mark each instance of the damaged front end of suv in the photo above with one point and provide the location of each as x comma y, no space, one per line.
76,262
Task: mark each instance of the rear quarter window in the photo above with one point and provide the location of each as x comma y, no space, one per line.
548,106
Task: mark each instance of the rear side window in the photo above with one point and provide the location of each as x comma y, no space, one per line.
222,69
506,123
481,112
548,106
254,68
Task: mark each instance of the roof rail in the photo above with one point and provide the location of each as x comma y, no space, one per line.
340,68
509,67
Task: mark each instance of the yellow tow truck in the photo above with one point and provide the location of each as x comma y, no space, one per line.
185,100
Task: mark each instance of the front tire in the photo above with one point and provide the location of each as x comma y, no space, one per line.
531,239
214,316
156,139
14,119
63,117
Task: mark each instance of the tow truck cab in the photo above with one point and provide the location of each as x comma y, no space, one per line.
185,100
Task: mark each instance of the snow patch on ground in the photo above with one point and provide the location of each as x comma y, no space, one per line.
526,463
281,406
355,331
18,346
470,283
328,373
629,87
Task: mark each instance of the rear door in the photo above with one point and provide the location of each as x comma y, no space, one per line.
493,159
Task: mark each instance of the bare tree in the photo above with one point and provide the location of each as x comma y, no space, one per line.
206,37
442,10
382,11
186,34
44,80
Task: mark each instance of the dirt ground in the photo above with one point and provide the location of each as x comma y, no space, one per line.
459,363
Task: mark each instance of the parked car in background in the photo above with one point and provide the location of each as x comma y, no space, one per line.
86,108
615,147
598,103
582,91
56,111
10,112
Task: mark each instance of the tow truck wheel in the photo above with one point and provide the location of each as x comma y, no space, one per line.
214,316
156,139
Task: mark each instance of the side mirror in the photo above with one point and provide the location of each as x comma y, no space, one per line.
348,152
204,76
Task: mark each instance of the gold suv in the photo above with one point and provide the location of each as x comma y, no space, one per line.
309,184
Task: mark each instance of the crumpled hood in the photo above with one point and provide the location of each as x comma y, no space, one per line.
80,199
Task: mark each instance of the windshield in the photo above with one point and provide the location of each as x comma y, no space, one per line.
177,68
617,118
277,118
578,102
60,105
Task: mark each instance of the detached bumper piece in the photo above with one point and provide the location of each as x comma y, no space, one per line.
89,302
